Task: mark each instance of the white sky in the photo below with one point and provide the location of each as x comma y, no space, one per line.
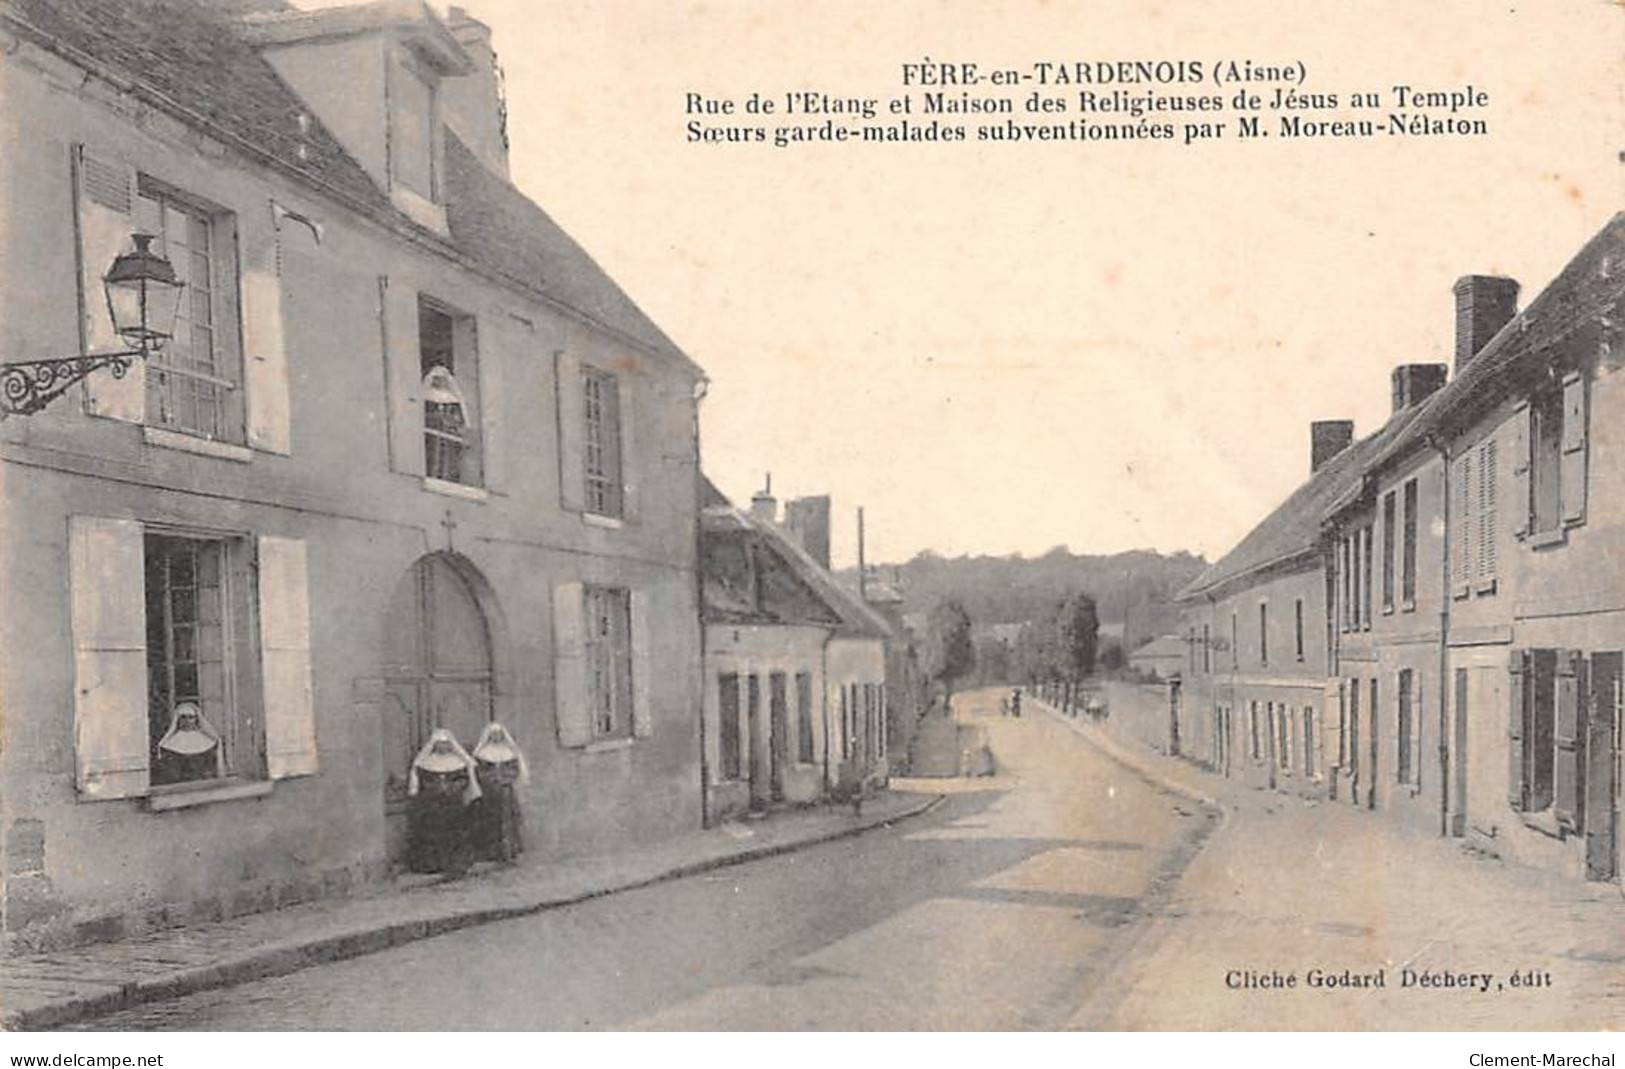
1103,346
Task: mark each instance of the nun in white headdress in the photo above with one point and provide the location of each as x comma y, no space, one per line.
500,764
442,783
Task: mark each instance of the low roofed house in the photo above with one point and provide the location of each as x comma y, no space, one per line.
794,668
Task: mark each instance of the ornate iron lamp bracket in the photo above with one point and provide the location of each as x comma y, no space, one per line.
28,386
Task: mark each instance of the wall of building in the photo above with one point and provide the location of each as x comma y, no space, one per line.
761,650
848,661
364,525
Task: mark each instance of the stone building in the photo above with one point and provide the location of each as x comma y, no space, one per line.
411,460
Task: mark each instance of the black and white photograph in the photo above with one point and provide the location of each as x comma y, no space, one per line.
744,516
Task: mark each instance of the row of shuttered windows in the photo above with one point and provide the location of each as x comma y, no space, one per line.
224,376
862,718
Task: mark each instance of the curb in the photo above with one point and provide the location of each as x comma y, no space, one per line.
1117,752
266,962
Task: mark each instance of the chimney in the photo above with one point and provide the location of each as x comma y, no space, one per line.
1327,438
763,505
1414,382
808,521
475,106
1484,304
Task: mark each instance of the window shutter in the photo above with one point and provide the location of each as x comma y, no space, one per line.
572,422
493,398
570,664
1520,470
265,359
1462,569
1568,799
398,327
1573,480
1517,712
290,712
630,388
643,662
105,193
107,572
1486,510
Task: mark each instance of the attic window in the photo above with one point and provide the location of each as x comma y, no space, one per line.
411,127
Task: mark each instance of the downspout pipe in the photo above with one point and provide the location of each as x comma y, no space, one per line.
1446,595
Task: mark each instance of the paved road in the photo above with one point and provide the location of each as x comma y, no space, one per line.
1002,909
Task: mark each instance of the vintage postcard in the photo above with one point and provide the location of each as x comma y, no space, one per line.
736,515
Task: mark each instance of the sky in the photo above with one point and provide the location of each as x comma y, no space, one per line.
1000,350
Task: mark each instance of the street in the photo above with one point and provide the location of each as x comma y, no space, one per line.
1004,908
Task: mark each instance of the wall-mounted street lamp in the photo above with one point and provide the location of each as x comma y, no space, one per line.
143,296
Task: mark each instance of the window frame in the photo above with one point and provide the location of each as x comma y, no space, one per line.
730,728
1546,438
609,660
1407,571
238,724
225,372
1390,525
467,444
603,452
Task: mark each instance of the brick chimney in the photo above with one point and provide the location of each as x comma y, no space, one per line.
1327,438
763,505
1414,382
807,519
1484,304
475,107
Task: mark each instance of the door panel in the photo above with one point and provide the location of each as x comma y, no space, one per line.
1602,768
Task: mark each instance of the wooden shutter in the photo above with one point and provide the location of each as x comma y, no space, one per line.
1517,722
491,373
630,400
1486,510
107,570
570,665
106,198
643,664
265,358
1573,480
290,711
1466,521
1568,790
572,425
1600,754
398,311
1520,504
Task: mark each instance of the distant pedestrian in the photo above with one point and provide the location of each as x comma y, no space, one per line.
1015,703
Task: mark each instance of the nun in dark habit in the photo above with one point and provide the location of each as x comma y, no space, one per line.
499,765
443,783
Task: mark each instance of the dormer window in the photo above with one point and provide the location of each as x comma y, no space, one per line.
412,126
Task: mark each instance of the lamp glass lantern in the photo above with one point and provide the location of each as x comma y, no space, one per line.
143,296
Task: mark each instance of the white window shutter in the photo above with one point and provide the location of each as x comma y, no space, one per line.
493,399
570,665
572,421
105,193
643,662
290,713
1519,506
265,358
631,389
107,573
1572,482
398,310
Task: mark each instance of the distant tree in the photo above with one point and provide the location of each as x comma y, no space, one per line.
1077,630
993,660
1112,658
949,652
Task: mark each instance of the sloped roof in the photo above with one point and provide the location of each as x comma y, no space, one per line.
1163,646
1294,527
195,59
1581,295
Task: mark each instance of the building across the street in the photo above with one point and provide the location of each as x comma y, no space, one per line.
795,665
1161,658
1431,626
410,461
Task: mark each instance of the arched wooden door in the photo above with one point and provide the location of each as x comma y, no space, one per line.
437,673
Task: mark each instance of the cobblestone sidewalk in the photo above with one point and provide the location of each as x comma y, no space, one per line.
48,990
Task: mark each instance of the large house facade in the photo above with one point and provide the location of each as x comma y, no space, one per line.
410,461
1466,559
